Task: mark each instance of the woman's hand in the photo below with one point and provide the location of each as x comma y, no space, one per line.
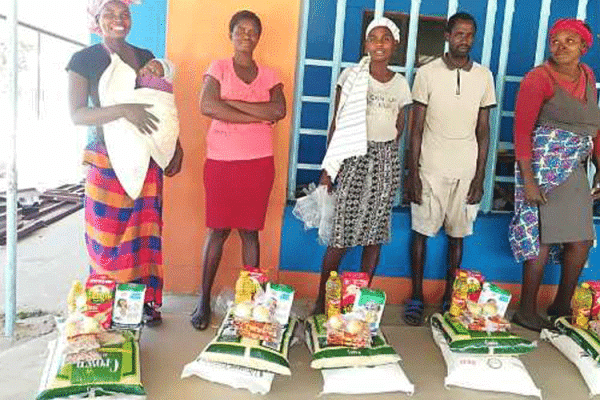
138,116
596,186
533,194
326,181
175,165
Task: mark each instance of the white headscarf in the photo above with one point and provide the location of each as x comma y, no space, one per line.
386,22
168,69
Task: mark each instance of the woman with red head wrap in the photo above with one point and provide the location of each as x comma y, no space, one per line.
555,132
123,235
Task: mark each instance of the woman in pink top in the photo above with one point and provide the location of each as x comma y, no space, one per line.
244,100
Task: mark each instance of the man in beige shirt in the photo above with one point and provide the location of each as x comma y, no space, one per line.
449,140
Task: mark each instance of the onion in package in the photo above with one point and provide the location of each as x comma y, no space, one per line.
100,291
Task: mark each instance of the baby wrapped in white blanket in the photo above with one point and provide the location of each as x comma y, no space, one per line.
129,150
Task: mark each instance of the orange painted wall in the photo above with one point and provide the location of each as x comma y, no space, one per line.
197,34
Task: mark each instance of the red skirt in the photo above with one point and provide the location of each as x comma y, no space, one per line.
237,193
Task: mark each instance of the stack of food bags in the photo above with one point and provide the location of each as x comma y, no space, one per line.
347,344
97,351
578,337
476,342
252,343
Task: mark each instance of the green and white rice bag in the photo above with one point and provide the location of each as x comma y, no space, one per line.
463,340
588,367
504,374
325,356
116,376
231,375
585,338
363,380
229,348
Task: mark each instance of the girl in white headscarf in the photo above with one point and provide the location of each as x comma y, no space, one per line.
362,156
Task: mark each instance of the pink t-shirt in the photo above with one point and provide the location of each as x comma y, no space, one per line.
227,141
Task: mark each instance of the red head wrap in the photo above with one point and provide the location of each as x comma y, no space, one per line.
573,25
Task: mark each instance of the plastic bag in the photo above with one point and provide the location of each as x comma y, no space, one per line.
223,301
316,210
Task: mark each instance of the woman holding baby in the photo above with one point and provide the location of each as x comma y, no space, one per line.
123,235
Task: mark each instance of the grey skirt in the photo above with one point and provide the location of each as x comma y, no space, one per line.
568,215
365,190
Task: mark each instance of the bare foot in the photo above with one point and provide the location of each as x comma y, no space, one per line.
318,310
531,321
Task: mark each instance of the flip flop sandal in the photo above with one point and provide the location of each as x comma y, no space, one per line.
413,312
445,306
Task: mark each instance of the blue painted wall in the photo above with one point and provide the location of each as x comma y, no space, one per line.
487,250
149,26
521,57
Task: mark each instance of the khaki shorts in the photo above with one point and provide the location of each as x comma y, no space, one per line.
444,203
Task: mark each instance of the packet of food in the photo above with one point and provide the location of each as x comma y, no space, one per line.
78,324
352,282
595,327
256,274
466,286
492,295
371,303
350,330
99,291
128,306
284,297
595,287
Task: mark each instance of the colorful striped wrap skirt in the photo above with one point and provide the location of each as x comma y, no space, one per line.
122,235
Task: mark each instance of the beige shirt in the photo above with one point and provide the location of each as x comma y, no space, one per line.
384,102
453,98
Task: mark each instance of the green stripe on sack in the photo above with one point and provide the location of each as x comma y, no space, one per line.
265,355
100,390
334,352
236,350
585,338
462,340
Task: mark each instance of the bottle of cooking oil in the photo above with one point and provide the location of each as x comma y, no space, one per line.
581,305
333,295
244,288
75,291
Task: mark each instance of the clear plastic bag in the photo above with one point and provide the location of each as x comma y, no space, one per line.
222,301
316,210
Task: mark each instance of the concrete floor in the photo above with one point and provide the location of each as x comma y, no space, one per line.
48,262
